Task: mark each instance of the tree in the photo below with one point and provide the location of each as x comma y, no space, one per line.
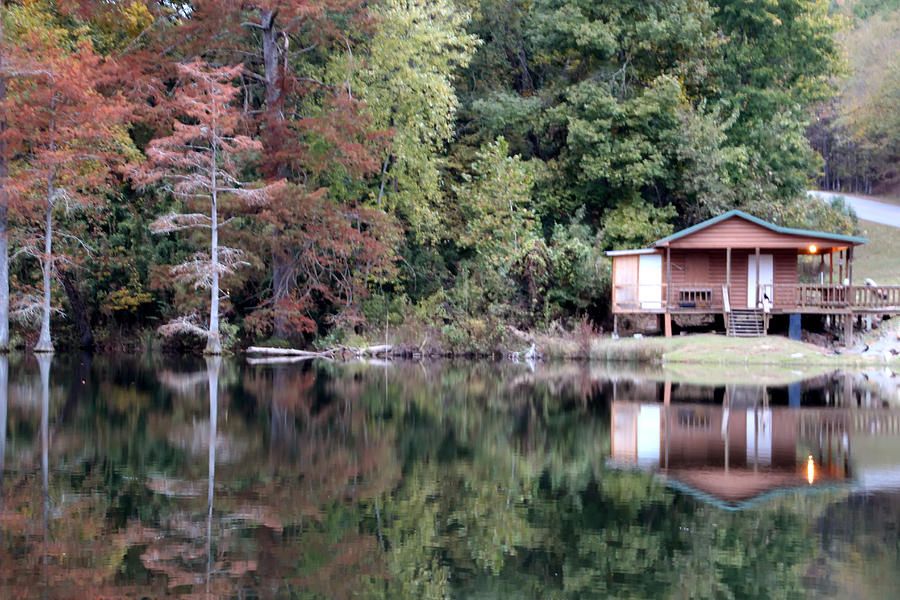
63,144
315,134
200,161
4,205
333,253
407,81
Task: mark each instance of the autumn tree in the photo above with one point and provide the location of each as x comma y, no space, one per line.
4,203
200,161
316,133
67,136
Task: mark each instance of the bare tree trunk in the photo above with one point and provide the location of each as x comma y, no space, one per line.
79,310
214,343
44,343
281,283
280,290
4,209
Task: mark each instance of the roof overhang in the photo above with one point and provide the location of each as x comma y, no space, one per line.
632,252
847,240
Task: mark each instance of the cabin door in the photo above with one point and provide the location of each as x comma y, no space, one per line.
766,279
650,281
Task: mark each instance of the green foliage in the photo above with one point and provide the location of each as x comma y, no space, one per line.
636,224
463,163
407,83
578,272
493,203
835,216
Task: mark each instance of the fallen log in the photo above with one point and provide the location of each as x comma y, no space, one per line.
286,351
274,360
373,350
381,350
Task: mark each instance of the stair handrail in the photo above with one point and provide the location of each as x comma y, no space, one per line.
726,302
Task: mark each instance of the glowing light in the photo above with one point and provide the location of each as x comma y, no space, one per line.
810,469
812,248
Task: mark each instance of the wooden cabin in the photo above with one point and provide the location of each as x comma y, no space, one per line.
746,269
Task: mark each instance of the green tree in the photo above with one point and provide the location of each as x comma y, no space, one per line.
407,82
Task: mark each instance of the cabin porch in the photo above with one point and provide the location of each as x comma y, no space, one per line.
712,280
746,269
787,298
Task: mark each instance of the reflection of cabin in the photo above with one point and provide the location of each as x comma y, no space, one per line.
729,453
746,269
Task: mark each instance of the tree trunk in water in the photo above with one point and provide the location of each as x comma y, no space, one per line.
44,343
212,370
4,388
44,361
79,310
4,209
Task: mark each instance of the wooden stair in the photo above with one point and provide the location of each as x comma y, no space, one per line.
746,322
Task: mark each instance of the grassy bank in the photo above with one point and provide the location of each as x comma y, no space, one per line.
701,349
879,259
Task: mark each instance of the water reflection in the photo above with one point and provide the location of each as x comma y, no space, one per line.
743,447
733,454
137,477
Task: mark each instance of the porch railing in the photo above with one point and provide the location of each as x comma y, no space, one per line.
702,297
883,296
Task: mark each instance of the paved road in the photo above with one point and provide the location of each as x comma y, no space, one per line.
867,210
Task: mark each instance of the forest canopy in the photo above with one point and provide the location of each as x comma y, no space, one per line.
310,171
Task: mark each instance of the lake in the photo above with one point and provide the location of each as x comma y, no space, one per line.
149,477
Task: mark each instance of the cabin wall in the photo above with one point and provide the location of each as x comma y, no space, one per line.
705,269
708,269
625,275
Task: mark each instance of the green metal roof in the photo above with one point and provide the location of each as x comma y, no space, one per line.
849,239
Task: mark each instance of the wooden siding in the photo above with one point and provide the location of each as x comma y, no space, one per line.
625,273
740,233
684,274
785,264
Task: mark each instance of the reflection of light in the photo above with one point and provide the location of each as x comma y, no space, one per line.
812,248
810,470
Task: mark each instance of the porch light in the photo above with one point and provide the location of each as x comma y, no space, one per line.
812,248
810,469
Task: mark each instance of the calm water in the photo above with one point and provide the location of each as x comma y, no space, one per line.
122,479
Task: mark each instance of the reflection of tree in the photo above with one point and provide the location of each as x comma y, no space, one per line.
4,399
358,482
505,494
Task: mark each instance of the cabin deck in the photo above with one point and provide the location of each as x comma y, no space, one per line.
707,298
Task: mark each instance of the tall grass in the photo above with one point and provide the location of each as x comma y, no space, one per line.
642,350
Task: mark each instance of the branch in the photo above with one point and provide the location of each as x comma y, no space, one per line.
178,222
316,81
184,324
